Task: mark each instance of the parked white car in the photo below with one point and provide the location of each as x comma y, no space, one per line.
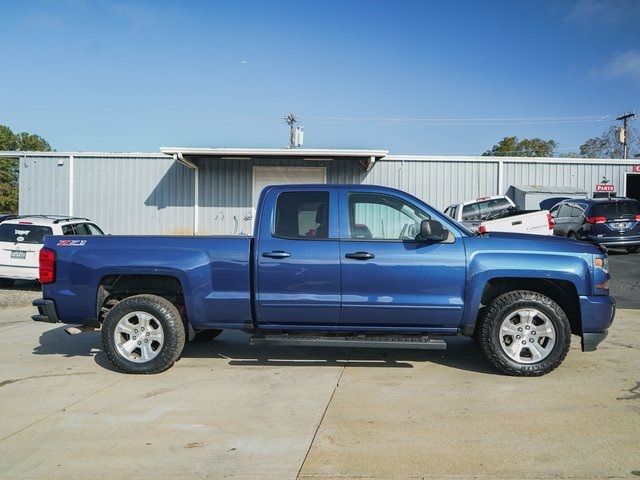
499,214
22,238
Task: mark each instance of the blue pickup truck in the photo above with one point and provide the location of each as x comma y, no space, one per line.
330,266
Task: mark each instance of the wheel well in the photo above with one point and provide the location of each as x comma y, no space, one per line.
114,288
562,292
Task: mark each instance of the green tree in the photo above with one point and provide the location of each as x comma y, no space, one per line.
9,166
512,147
607,146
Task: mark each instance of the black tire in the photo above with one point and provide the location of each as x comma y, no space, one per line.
633,249
6,282
165,313
207,335
507,304
572,235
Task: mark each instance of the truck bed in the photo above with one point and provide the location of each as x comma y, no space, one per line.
216,267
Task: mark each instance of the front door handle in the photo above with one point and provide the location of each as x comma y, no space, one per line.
276,254
360,255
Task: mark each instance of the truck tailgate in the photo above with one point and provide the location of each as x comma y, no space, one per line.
536,223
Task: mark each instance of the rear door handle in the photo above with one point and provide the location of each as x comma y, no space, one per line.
276,254
360,255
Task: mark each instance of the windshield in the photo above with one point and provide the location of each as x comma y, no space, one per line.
19,233
626,209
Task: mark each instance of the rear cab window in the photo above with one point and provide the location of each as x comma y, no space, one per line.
23,233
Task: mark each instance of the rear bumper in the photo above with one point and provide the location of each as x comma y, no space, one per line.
18,273
46,311
597,316
614,241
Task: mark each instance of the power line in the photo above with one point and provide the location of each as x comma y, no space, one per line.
444,121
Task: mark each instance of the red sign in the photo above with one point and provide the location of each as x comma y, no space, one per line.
605,187
635,169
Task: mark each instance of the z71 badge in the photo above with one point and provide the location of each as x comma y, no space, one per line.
71,243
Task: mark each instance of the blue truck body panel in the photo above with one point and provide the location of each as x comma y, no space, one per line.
407,286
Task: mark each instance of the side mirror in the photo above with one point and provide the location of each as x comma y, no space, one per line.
433,230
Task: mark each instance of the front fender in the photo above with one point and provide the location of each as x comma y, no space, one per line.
486,266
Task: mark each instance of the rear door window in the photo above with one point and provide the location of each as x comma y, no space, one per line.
20,233
564,211
68,230
81,229
627,209
303,215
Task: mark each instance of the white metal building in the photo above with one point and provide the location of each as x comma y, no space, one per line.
214,190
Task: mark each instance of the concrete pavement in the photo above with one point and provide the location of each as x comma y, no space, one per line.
230,410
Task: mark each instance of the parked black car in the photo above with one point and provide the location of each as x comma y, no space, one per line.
612,222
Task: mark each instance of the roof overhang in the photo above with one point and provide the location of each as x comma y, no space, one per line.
366,158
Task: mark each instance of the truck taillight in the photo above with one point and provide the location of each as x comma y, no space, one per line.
638,218
47,265
482,229
550,221
593,220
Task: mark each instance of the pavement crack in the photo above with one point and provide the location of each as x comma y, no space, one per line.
634,393
16,380
60,410
326,408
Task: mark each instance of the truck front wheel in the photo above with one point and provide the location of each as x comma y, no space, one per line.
525,333
143,334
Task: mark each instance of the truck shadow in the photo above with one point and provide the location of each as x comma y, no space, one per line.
462,353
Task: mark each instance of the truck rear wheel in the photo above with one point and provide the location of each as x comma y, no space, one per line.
143,334
525,333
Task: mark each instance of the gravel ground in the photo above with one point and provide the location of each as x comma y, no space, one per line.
20,295
625,278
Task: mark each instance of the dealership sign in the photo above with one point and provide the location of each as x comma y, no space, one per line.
635,169
605,187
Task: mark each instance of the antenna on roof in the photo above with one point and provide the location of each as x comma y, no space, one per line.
296,132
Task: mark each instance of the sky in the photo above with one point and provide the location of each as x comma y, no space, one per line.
413,77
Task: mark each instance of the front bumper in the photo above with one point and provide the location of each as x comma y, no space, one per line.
46,311
597,312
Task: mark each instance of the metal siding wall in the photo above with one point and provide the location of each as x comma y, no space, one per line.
226,185
135,195
226,189
152,195
123,195
438,183
579,175
44,186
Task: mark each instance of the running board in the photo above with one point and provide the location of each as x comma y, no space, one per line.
413,342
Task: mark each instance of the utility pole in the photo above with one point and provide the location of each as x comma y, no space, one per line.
623,137
296,132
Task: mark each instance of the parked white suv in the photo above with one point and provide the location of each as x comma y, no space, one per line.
22,238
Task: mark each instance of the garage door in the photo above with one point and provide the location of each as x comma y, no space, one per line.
264,176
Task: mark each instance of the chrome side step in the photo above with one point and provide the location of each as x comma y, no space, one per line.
413,342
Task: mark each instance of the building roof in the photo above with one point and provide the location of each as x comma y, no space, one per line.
366,157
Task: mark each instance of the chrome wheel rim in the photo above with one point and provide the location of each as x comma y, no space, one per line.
138,337
527,336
